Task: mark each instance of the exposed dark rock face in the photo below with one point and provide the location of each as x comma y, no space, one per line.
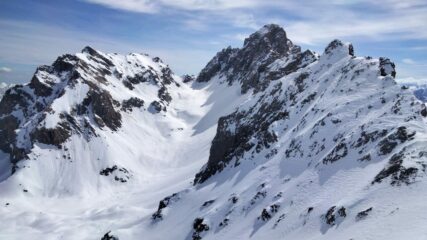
164,95
133,102
424,111
267,213
120,174
199,226
332,215
342,212
337,44
250,64
234,199
208,203
163,204
401,135
387,67
107,236
167,78
363,214
367,137
156,107
107,171
224,223
40,89
398,173
188,78
141,78
102,105
234,132
99,57
8,124
55,136
64,63
217,64
299,60
337,153
15,97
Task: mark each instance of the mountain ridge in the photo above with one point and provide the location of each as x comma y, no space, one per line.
267,141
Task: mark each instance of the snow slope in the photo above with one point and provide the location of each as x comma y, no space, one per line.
156,152
269,142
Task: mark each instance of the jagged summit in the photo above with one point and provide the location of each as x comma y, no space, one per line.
268,28
271,37
266,55
89,50
338,46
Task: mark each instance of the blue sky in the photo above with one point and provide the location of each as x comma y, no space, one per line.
187,33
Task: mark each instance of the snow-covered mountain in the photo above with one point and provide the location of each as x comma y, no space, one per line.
419,90
267,142
421,93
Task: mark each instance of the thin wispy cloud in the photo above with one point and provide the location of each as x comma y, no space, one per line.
48,42
149,6
144,6
408,61
413,81
5,70
312,21
187,33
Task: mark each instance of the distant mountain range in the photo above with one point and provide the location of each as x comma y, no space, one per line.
421,93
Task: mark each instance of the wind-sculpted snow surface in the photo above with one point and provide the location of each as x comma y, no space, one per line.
268,142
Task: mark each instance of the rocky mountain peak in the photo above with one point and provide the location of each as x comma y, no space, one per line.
300,94
89,50
271,37
387,67
265,56
339,47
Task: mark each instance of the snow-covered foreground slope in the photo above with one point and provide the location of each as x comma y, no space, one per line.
269,142
102,166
